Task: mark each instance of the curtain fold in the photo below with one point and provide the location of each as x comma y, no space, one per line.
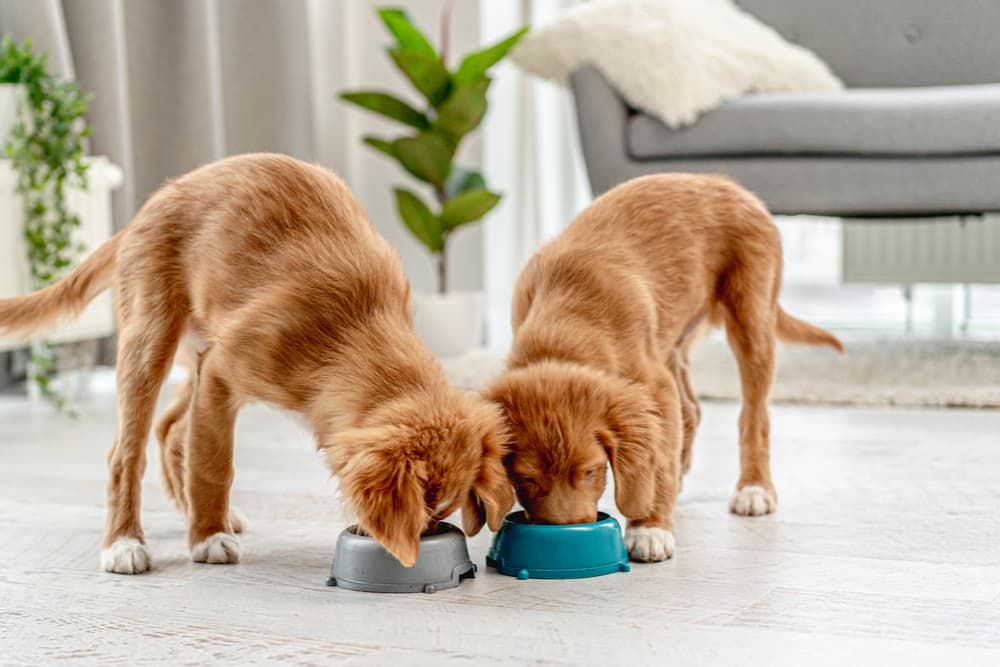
43,22
99,52
177,84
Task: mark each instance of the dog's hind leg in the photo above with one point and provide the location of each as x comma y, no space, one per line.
171,432
145,350
209,464
690,408
750,328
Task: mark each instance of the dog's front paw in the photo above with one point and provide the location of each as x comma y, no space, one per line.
238,521
753,500
126,555
649,544
221,549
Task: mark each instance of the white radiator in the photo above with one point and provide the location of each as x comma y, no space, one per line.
938,250
94,208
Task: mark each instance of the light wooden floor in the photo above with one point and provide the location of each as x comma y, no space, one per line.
885,549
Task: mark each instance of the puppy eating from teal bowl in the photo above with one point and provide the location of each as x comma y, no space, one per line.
565,551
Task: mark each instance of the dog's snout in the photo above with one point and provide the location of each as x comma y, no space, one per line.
563,513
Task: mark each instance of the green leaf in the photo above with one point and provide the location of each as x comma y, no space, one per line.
389,106
426,72
407,34
468,207
462,180
418,219
477,63
47,159
380,145
463,110
427,156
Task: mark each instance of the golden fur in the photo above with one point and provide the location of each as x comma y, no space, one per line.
604,316
264,276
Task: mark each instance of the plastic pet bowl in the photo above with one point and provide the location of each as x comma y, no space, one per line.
568,551
362,564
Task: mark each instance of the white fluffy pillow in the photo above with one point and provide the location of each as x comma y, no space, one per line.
673,58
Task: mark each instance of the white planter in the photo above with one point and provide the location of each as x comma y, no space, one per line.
450,324
12,102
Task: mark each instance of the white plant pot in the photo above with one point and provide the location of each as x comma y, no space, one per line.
13,100
450,324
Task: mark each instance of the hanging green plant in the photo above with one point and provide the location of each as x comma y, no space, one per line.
45,146
455,105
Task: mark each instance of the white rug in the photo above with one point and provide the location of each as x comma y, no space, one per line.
886,372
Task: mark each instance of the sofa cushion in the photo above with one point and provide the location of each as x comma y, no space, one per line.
841,186
932,121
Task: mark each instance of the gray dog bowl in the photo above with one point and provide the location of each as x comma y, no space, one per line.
362,564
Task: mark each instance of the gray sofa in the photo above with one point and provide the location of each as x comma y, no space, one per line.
917,132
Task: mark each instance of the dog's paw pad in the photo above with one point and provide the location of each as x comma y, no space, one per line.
221,548
238,520
126,555
649,544
752,500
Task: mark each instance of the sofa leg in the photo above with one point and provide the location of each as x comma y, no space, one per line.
966,309
908,296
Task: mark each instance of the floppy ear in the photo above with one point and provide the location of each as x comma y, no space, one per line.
489,499
385,486
631,434
491,495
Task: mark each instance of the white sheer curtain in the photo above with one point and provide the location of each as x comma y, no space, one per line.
530,152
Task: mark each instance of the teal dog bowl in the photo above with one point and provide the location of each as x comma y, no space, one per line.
567,551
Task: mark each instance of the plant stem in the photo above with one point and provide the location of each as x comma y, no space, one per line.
445,31
442,267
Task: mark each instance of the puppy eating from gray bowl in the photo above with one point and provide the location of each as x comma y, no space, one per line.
362,564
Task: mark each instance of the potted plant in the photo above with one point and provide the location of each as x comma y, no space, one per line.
43,129
455,103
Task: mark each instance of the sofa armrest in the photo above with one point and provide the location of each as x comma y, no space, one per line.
602,118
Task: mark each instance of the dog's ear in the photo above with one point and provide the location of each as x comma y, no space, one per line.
491,495
631,434
385,486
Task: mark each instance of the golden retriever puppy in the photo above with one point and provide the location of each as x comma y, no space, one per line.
603,318
264,275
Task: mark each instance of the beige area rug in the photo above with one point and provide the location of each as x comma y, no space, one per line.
873,372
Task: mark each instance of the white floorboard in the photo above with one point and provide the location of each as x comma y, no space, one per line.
885,549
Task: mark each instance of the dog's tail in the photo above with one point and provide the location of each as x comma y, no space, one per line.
25,315
794,330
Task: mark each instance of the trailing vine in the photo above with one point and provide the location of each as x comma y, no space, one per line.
45,146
